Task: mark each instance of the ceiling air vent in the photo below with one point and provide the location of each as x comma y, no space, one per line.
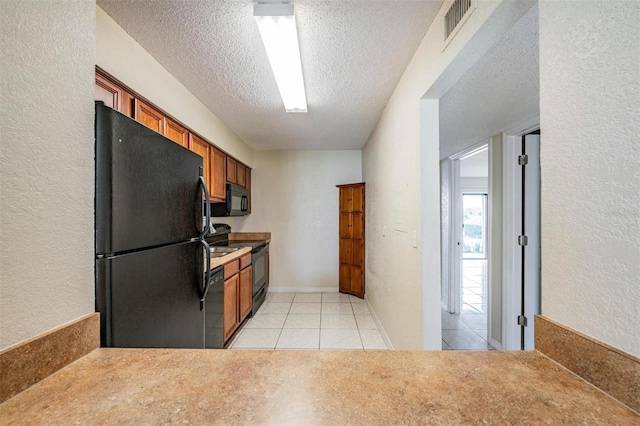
456,16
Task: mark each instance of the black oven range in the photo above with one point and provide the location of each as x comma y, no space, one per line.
218,237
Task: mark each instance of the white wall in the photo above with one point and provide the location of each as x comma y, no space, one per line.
445,214
122,57
46,166
393,157
590,151
292,190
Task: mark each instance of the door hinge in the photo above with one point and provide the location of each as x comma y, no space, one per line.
522,321
523,240
523,160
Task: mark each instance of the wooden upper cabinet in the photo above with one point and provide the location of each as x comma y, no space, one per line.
241,171
201,147
176,132
149,116
218,175
112,95
231,170
108,93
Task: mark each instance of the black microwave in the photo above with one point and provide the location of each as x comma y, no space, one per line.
236,204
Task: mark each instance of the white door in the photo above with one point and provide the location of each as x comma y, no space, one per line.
531,229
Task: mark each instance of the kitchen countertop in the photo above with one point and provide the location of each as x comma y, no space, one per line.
218,261
157,386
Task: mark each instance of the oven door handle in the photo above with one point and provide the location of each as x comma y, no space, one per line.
207,274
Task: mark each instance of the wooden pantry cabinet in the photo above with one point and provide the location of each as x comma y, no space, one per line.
238,284
351,238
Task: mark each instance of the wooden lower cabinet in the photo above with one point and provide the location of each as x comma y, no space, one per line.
238,289
246,285
230,321
351,280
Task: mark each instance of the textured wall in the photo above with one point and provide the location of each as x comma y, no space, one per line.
46,166
445,212
291,191
589,114
121,56
495,237
398,276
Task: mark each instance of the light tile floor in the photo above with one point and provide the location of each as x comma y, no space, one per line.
464,332
310,321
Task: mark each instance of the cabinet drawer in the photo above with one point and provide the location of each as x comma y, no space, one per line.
231,268
245,261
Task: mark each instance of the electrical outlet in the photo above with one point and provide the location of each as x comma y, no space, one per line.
384,230
414,238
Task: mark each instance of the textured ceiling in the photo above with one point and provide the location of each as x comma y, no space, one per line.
476,165
353,55
502,89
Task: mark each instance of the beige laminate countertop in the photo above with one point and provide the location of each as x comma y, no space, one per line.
217,261
160,386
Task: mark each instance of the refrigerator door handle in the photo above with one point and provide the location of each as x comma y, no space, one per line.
207,273
207,206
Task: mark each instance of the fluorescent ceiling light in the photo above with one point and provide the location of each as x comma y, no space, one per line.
277,26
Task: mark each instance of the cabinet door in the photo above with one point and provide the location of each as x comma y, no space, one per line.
176,132
357,252
231,170
246,285
356,281
345,199
357,199
218,177
230,317
241,171
345,250
149,116
201,147
344,281
108,93
345,225
357,225
248,185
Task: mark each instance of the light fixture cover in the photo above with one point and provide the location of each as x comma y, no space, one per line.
277,26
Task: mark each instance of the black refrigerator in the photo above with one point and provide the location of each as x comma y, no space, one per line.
151,281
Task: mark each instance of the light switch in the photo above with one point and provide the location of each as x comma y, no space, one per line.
318,224
384,230
414,238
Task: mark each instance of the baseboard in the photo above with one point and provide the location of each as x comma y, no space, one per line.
273,289
25,364
379,324
611,370
495,344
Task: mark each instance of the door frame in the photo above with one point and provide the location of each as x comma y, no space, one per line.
455,228
512,211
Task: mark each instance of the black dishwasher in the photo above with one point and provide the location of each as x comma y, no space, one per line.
214,310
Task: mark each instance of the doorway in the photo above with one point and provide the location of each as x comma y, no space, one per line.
464,321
